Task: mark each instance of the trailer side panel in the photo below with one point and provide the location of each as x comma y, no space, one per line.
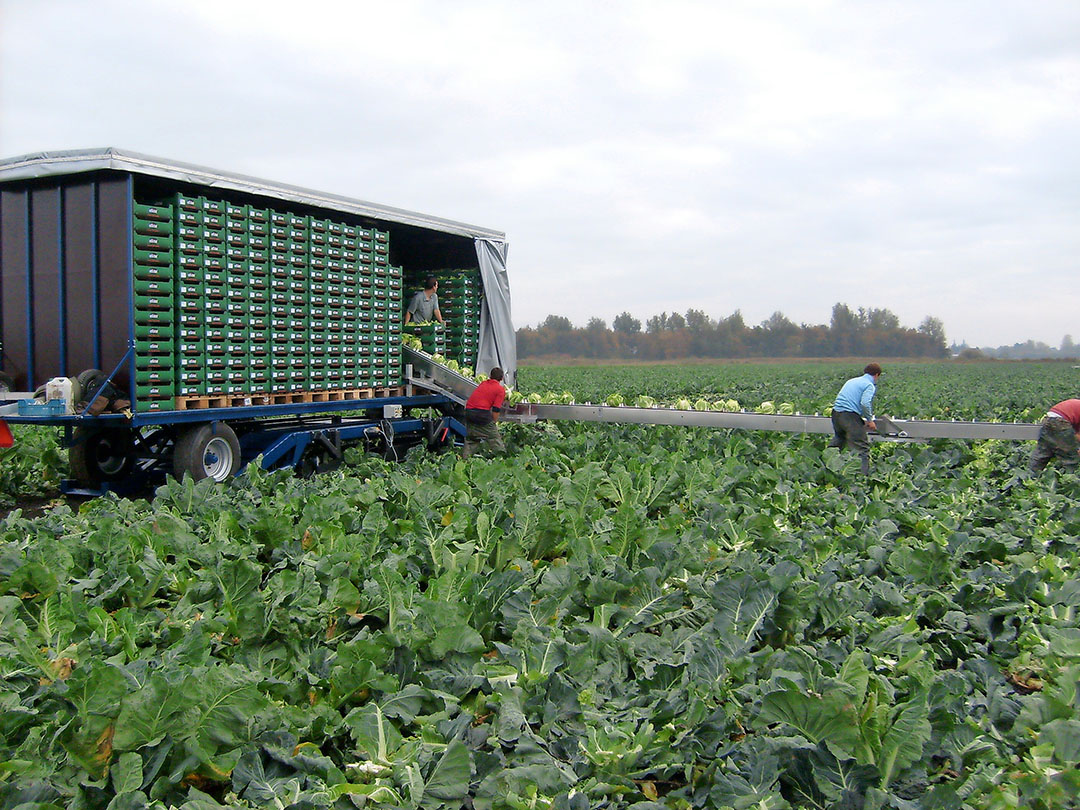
15,278
64,265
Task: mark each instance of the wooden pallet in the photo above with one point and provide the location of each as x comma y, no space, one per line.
191,403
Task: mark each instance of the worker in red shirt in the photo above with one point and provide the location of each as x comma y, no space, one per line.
1059,435
481,412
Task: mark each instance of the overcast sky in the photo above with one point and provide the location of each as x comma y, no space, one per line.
640,156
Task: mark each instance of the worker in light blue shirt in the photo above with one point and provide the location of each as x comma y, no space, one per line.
853,414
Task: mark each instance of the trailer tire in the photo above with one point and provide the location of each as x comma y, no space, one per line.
98,456
207,451
6,382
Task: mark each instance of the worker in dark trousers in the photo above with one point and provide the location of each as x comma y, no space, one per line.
1059,435
853,414
481,412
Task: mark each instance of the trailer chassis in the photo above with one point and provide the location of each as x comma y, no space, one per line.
129,452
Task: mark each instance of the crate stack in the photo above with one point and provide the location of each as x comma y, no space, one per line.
240,301
154,306
459,296
432,336
386,294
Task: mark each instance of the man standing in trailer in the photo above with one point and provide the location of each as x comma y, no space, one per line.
853,415
425,304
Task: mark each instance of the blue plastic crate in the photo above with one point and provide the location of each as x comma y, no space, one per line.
37,407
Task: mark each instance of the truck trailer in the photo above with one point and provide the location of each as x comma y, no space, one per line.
175,318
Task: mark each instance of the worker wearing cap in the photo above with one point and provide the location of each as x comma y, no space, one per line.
1059,435
425,304
482,409
853,414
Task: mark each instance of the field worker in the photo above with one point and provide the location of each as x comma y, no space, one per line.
1059,435
853,414
425,304
481,411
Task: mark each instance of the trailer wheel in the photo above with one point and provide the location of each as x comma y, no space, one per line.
101,455
6,382
207,451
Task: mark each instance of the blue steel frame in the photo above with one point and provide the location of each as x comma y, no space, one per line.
112,420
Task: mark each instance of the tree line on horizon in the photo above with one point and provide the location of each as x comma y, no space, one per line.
863,331
1028,350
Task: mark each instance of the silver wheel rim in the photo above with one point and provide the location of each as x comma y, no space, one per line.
218,459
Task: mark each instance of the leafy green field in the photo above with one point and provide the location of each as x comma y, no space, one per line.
614,616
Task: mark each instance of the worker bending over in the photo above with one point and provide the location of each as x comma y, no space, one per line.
1059,435
482,409
853,414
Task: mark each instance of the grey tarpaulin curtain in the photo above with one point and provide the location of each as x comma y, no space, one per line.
498,343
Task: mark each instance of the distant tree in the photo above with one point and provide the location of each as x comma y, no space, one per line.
934,330
779,336
626,324
734,322
1068,348
731,336
844,328
676,321
881,320
657,323
557,323
698,321
596,340
778,322
972,354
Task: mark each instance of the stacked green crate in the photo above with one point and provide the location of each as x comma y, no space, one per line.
357,284
432,336
395,302
460,295
192,318
154,306
300,375
235,300
375,244
335,291
387,303
257,321
280,268
236,353
206,297
324,364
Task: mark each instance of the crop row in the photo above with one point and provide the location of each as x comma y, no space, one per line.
942,390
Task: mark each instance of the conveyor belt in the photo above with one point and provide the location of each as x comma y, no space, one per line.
888,429
424,372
